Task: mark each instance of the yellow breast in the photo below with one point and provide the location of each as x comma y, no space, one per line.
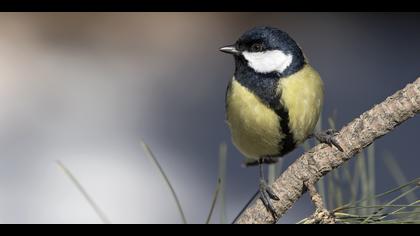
302,94
255,128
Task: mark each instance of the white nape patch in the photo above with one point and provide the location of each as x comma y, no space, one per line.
268,61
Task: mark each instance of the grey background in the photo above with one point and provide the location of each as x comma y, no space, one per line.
86,88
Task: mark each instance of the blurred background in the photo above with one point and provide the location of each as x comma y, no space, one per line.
86,88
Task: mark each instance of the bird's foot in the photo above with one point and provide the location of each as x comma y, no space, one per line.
328,137
267,194
265,160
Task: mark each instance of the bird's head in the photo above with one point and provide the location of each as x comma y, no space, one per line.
267,50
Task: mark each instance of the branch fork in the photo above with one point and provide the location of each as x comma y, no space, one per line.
321,215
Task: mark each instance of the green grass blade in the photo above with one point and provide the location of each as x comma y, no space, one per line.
349,179
371,174
395,212
331,123
384,206
364,183
318,127
397,173
331,192
399,188
220,183
213,204
222,176
272,170
397,222
404,212
338,192
391,202
350,216
279,168
321,183
82,190
152,157
356,183
335,191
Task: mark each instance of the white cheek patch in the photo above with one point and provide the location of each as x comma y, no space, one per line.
268,61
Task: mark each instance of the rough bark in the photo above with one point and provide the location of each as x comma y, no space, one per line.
321,159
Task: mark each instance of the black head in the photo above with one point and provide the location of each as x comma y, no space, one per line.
267,50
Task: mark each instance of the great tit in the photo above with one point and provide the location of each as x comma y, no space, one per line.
273,101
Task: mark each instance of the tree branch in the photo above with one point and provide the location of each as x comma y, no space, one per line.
321,159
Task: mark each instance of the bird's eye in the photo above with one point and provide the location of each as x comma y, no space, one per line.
257,47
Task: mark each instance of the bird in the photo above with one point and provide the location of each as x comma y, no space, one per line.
273,101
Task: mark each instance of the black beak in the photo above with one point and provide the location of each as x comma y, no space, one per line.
230,50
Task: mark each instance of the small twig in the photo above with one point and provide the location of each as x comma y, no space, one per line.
315,196
321,215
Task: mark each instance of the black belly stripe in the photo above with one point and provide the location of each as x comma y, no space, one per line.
288,143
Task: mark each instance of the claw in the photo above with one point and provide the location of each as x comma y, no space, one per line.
331,132
328,137
335,143
266,194
266,200
272,194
